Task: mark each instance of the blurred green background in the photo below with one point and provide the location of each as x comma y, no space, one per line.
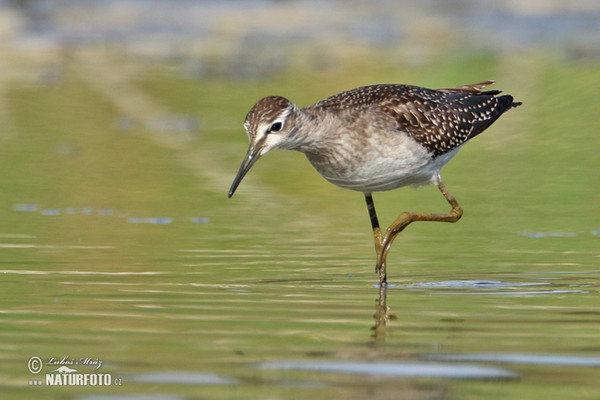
121,131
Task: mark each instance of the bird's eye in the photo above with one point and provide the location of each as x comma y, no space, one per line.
276,127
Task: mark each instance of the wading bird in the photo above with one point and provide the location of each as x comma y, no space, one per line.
377,138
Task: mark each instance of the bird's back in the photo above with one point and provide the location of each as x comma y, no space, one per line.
440,120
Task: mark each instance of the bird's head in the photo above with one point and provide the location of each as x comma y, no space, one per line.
269,126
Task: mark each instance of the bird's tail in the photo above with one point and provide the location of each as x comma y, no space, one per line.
515,103
473,88
476,89
507,102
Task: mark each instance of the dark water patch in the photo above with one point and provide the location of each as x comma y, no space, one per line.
531,359
185,378
397,369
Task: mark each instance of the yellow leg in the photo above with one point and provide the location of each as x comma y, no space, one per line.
383,243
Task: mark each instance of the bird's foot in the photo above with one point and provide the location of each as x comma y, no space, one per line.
380,269
377,268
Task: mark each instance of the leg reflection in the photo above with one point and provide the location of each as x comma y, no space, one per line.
382,314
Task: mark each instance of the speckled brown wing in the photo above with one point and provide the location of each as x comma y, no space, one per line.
440,120
362,97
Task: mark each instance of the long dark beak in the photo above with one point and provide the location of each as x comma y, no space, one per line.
250,158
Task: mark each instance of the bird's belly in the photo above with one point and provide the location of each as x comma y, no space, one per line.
381,171
381,175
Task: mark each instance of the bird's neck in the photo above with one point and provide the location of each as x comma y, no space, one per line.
313,131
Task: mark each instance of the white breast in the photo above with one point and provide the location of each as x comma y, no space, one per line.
373,167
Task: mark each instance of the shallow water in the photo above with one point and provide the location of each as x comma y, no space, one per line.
124,257
292,320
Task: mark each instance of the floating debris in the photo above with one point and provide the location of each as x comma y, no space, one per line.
199,220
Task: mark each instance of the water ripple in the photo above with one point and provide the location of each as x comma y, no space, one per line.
484,287
516,358
397,369
471,284
547,234
107,212
35,272
186,378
